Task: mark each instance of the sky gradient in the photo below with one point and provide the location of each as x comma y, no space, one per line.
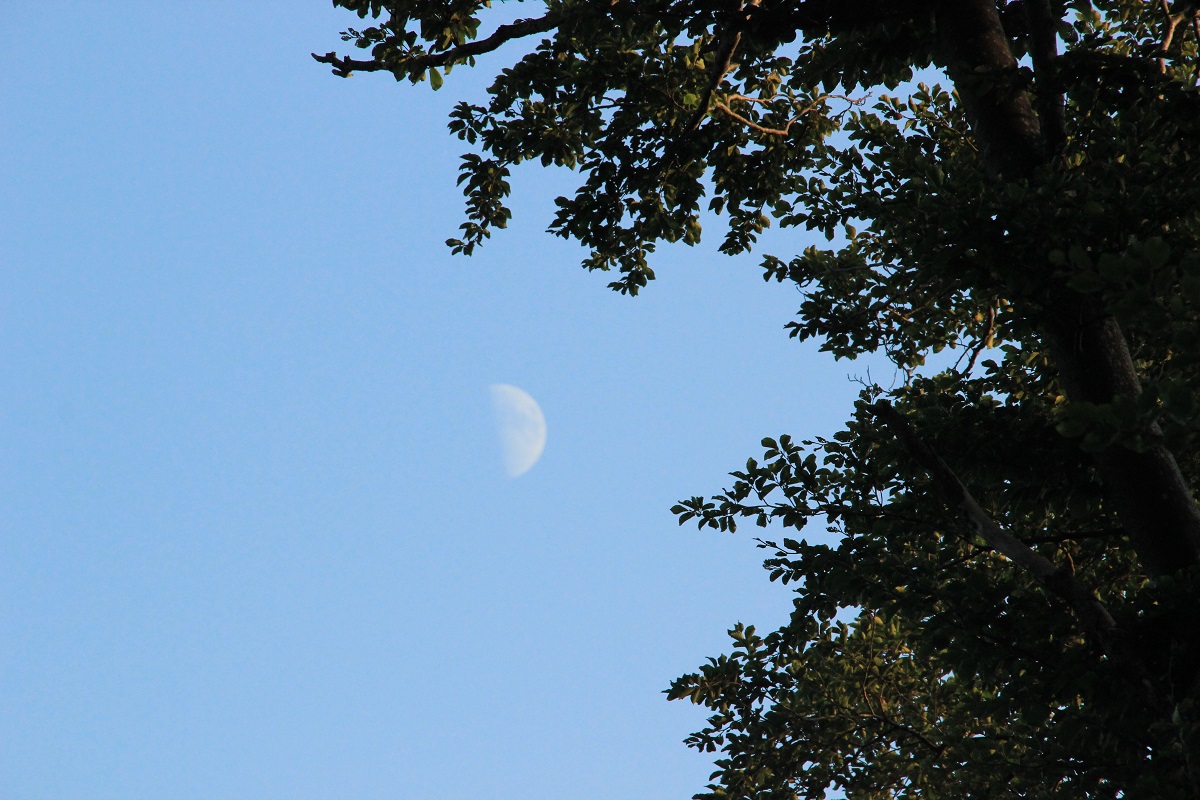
256,539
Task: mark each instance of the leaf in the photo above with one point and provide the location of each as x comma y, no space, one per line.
1086,282
993,280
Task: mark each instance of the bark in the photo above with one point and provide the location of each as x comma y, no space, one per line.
1146,488
974,48
1051,105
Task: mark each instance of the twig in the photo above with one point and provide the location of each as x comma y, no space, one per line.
728,40
723,105
986,340
727,43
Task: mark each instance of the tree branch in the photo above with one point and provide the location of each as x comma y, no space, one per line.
985,341
1147,488
1051,104
723,106
1173,20
727,43
344,66
728,39
1196,30
974,48
1059,580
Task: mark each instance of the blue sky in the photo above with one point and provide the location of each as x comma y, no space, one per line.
256,540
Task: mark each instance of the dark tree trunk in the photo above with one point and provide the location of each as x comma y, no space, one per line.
1146,489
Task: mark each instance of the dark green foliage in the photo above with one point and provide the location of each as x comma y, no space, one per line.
1034,213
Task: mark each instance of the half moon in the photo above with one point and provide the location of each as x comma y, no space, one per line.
520,426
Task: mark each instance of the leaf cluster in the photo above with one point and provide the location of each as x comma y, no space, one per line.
919,661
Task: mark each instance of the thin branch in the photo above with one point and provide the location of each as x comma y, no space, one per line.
1168,35
728,40
1076,536
854,101
723,106
748,99
832,270
985,341
878,711
899,727
1173,20
1196,30
727,44
1060,581
344,66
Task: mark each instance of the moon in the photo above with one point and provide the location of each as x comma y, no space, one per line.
520,426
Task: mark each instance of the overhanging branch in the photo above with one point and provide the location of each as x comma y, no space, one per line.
1059,580
343,66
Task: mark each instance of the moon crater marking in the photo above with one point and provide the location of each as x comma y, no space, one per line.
520,426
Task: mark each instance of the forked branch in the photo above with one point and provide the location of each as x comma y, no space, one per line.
723,105
1184,12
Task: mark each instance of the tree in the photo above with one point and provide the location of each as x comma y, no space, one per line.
1011,608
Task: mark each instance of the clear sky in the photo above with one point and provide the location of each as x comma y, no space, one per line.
256,537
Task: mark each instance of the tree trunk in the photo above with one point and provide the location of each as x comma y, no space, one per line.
1146,489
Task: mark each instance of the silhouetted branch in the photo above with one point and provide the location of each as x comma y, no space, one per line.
344,66
723,105
1059,580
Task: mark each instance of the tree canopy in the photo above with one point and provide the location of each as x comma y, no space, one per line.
1010,607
